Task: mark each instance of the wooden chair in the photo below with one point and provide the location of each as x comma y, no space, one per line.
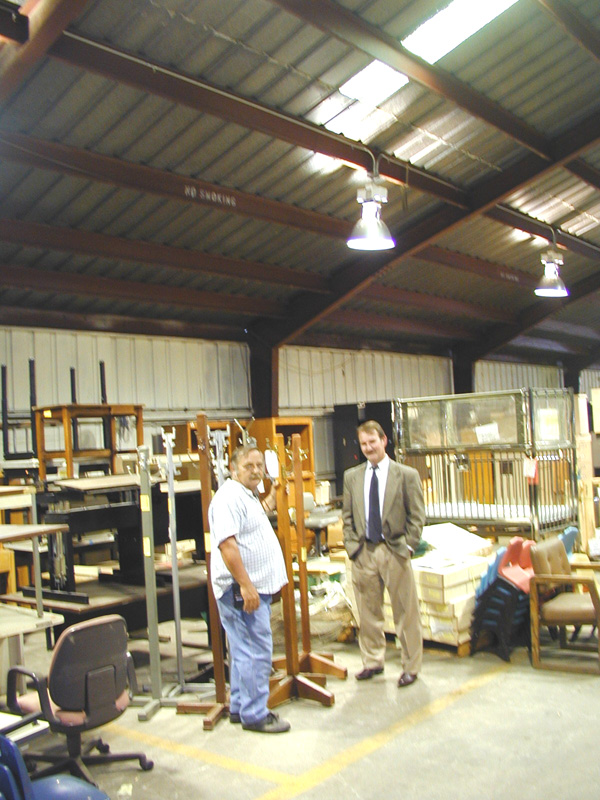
559,598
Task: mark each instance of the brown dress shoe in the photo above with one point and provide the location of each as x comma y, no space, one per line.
367,673
406,679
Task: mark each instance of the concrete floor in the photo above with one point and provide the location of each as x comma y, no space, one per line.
469,728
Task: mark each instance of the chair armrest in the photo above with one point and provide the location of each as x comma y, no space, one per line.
567,580
131,676
40,684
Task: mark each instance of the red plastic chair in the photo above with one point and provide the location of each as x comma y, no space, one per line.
515,566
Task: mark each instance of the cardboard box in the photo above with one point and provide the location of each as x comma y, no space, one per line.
335,536
454,541
431,594
443,572
457,609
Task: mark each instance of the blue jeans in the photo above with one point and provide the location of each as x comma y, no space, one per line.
250,656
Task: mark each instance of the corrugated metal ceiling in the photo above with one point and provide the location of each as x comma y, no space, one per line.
173,154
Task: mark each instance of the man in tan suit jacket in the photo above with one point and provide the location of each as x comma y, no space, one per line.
380,548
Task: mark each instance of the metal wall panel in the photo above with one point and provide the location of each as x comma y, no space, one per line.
493,376
312,381
589,379
172,378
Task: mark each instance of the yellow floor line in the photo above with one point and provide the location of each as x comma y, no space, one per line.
198,754
313,777
290,786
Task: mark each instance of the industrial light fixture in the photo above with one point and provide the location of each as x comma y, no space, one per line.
371,232
13,24
551,284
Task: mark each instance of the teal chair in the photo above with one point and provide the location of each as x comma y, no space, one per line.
16,784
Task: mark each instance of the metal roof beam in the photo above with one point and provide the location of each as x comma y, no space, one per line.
585,171
47,21
575,24
178,88
96,167
35,234
115,323
530,317
377,322
133,291
516,219
566,329
334,19
353,279
477,266
337,341
445,305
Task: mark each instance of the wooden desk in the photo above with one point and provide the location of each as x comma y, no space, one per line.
17,533
129,601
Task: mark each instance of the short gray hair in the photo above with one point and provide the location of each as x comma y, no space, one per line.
241,451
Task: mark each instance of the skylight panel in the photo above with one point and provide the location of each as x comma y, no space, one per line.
373,84
452,26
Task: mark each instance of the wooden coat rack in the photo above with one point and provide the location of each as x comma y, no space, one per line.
212,711
305,672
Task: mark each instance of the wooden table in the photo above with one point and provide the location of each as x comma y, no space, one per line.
15,622
17,533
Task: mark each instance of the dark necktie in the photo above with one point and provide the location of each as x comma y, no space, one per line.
374,525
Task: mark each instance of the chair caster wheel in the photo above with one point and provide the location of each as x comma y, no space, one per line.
146,764
103,748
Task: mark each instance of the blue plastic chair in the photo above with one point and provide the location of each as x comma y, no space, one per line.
491,573
568,537
16,784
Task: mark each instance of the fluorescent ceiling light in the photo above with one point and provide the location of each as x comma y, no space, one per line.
452,26
373,84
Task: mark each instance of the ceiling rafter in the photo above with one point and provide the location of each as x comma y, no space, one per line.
545,345
575,24
115,323
370,342
85,164
337,21
35,234
106,169
334,19
535,227
566,329
585,171
530,317
446,305
360,274
134,291
47,21
379,322
178,88
477,266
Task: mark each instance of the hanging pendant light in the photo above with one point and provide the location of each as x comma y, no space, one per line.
371,232
551,284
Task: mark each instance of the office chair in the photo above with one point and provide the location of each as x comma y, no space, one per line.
89,681
16,784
